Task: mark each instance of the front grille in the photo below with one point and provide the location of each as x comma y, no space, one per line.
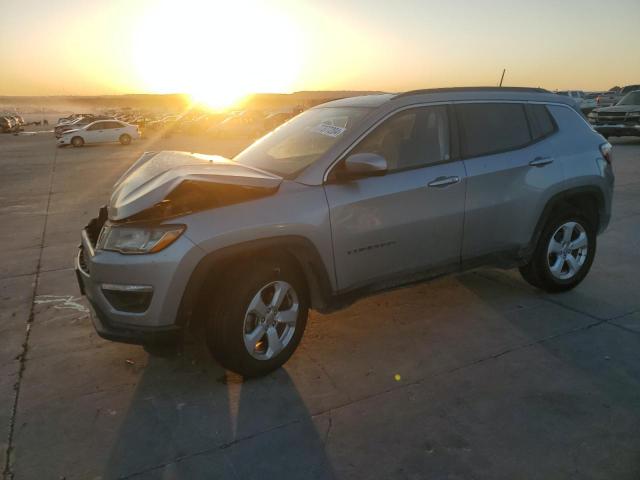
612,116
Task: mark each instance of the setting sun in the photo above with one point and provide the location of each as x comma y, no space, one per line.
217,53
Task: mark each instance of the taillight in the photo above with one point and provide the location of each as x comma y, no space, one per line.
605,149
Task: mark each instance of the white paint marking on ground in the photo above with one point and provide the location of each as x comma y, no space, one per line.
62,302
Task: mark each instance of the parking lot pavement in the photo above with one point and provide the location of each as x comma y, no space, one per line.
471,376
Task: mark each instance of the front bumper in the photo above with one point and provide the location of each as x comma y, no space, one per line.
118,332
617,130
166,272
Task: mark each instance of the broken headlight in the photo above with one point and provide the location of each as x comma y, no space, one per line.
137,240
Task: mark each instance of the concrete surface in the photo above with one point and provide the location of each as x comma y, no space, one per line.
496,380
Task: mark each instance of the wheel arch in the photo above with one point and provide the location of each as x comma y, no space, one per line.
586,198
298,249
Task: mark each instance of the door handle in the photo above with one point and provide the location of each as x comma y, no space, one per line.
541,161
443,181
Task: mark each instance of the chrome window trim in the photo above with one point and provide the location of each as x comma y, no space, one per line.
435,103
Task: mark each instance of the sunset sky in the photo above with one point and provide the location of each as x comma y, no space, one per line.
219,50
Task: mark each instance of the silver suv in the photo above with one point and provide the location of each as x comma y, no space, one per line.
346,199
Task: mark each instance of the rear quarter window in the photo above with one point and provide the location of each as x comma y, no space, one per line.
542,124
487,128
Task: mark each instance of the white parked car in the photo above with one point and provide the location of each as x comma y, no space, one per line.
101,131
576,95
589,102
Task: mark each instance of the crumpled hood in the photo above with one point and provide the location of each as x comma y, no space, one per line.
156,174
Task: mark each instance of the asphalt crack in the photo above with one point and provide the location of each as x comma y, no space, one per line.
7,472
206,451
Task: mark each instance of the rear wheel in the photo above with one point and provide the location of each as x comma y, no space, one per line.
564,253
125,139
77,141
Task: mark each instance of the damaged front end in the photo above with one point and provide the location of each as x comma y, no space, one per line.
132,298
165,185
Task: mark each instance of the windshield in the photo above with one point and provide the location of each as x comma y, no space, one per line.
629,88
302,140
632,98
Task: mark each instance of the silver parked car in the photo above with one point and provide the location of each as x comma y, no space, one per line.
349,198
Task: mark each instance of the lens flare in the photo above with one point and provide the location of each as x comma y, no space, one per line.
216,52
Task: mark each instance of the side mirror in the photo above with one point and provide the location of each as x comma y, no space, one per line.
361,165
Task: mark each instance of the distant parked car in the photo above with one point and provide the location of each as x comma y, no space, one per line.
71,118
607,99
166,125
612,97
10,123
6,124
242,125
274,120
589,102
17,122
576,95
203,123
628,89
619,120
78,123
102,131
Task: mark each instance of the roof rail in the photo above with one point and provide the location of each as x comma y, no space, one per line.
472,89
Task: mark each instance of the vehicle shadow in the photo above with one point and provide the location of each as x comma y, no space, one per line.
572,384
188,418
577,341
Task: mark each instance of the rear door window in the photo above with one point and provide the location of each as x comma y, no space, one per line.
487,128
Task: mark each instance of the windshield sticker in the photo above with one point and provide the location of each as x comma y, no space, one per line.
328,130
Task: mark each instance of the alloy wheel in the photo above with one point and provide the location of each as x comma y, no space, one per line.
270,320
567,250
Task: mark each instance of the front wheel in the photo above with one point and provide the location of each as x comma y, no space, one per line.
125,139
77,141
564,253
257,321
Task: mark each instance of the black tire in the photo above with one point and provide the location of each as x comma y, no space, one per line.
125,139
538,271
225,326
77,141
